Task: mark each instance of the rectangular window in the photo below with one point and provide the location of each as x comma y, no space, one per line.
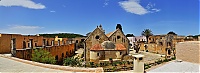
35,44
52,42
63,42
120,53
98,54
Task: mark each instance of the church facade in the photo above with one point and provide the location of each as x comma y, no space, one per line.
101,46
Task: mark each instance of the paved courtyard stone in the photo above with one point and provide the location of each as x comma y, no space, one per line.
8,65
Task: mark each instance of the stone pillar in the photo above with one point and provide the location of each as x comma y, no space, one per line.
138,63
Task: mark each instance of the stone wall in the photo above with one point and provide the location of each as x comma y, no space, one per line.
22,42
188,51
61,52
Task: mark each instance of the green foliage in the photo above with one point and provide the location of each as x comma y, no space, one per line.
159,61
43,56
102,64
147,33
147,66
114,63
171,32
62,35
173,58
71,61
91,64
106,64
166,60
130,35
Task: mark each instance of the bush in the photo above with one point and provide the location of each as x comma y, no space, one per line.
43,56
173,58
71,61
114,63
106,64
102,64
147,66
159,61
91,64
166,60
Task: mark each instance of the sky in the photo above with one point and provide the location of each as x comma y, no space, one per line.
83,16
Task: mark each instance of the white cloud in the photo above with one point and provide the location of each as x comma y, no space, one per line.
53,11
106,2
24,3
21,29
156,10
134,6
151,8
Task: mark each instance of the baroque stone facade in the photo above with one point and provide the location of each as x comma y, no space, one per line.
101,46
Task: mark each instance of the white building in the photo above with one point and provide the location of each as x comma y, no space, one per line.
136,39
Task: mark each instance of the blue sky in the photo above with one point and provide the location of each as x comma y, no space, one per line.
82,16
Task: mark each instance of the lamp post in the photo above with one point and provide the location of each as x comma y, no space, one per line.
84,44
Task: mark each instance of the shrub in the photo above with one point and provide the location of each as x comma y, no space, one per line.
102,64
166,60
71,61
106,64
43,56
159,61
114,64
173,58
147,66
91,64
120,63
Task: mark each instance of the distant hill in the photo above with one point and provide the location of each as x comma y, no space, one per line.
62,35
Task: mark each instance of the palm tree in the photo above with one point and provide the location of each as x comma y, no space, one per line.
147,33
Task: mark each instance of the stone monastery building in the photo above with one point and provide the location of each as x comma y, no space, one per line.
101,46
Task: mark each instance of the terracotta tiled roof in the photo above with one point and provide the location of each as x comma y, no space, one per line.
97,47
109,34
119,47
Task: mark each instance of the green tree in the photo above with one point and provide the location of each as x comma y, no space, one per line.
171,32
147,33
43,56
129,35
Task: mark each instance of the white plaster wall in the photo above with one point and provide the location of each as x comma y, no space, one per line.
118,55
93,55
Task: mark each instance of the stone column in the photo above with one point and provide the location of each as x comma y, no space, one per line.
138,63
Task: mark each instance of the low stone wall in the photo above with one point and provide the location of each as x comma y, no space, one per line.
188,51
66,68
